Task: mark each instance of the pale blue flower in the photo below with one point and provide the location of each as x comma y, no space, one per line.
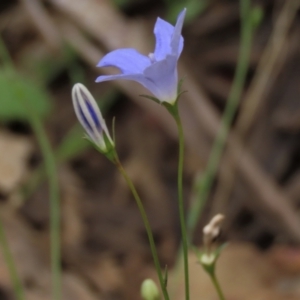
89,115
157,72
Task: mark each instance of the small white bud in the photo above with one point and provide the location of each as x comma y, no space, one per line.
212,230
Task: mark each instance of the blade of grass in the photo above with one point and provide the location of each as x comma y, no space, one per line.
227,118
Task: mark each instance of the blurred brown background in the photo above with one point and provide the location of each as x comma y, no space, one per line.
105,252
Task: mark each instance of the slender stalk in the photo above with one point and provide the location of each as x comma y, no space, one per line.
217,286
227,118
174,111
50,166
147,226
16,281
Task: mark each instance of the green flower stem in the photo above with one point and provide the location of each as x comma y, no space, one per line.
175,113
217,286
50,166
9,260
227,118
146,224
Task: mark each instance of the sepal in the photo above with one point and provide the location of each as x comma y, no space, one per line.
208,260
151,98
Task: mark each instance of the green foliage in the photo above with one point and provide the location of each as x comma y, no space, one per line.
16,93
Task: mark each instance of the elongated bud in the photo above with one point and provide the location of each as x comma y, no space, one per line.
89,116
209,256
212,230
149,290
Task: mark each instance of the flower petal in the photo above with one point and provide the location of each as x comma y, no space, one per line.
156,72
177,39
160,79
163,75
140,78
163,33
95,114
128,60
81,116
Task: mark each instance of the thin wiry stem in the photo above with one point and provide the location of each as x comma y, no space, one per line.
147,226
50,166
173,109
181,208
217,286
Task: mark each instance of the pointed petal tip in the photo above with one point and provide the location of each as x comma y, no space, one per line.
100,64
75,87
181,15
102,78
79,87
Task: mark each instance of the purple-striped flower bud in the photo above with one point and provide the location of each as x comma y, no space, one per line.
89,115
